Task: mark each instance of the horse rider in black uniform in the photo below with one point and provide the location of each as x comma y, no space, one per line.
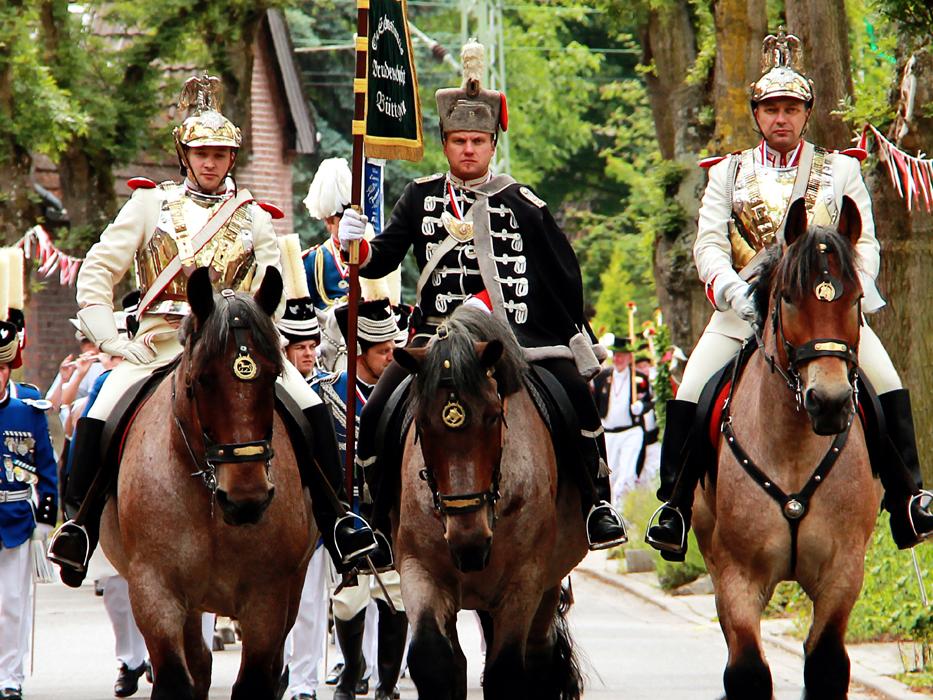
489,241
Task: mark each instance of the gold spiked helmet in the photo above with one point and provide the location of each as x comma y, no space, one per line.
201,98
781,77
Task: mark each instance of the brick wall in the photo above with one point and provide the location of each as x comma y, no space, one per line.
50,337
268,174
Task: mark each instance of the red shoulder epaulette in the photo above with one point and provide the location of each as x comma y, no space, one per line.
859,154
141,183
708,163
273,210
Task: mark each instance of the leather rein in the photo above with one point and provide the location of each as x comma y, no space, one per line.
454,417
795,506
245,369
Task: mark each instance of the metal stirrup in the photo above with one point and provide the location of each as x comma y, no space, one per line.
617,541
667,546
54,537
347,558
910,516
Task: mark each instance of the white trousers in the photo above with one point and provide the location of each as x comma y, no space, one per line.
129,645
125,374
15,613
304,647
622,451
714,349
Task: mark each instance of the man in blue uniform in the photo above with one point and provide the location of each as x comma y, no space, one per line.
377,332
28,499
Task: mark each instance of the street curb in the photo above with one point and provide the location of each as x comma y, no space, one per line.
887,688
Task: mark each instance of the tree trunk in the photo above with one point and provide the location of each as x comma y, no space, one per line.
669,43
87,183
823,27
905,324
740,27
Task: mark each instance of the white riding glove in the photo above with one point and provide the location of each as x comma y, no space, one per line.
352,227
100,327
730,290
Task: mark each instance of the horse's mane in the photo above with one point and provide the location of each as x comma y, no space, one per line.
466,326
794,272
211,339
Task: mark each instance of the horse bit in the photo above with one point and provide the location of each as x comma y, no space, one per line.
245,369
454,415
794,506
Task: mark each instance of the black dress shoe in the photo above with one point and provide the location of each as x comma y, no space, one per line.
386,695
128,680
333,678
304,696
362,687
11,694
604,527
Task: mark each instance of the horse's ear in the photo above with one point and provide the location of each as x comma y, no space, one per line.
201,294
489,353
269,293
796,224
410,360
850,220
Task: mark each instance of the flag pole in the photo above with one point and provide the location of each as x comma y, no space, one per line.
356,200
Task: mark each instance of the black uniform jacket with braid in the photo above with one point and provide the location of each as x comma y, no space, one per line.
535,266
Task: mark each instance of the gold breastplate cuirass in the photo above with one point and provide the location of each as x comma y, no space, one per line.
229,254
761,198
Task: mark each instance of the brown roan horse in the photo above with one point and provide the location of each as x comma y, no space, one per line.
794,497
235,538
484,522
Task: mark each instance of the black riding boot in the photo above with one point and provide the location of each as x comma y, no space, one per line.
393,633
679,478
347,537
75,541
911,519
604,527
350,637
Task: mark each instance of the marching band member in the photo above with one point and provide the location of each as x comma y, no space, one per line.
477,235
741,214
169,230
377,333
28,508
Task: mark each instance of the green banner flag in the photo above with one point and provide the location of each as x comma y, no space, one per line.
393,110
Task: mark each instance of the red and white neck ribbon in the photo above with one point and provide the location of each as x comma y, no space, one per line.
343,268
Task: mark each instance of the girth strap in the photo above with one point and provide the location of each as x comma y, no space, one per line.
794,506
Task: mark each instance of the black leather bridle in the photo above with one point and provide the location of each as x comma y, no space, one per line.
216,453
460,503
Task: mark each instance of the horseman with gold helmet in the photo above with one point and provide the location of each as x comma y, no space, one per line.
741,215
165,231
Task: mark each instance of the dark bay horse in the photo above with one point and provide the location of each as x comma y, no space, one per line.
484,522
235,539
794,497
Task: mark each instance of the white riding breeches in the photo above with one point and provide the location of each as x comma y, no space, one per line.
127,373
305,645
15,612
715,349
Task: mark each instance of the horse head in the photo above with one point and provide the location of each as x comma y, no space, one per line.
815,311
459,404
224,415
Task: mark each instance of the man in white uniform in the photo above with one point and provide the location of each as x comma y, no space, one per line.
169,230
741,213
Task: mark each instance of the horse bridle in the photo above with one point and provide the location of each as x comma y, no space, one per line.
245,369
454,416
827,289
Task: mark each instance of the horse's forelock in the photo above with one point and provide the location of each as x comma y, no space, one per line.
210,341
465,327
798,270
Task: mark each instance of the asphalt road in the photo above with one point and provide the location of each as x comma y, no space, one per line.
632,649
